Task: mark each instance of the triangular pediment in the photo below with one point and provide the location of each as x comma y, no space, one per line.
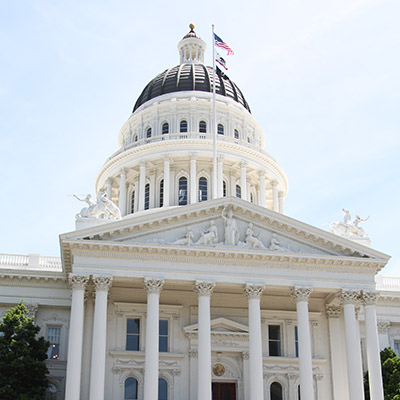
220,325
225,225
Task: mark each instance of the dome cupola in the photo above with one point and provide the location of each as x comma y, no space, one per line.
191,48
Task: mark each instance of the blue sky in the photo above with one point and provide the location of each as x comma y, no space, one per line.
321,78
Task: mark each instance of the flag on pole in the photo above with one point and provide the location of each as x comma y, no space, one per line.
220,43
220,61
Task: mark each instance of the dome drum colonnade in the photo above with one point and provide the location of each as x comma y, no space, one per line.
169,136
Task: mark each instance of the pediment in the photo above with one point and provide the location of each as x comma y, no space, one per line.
220,326
205,227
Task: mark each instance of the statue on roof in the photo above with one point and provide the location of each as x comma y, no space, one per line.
102,208
348,228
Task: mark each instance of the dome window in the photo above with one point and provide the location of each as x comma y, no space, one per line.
236,134
202,189
251,198
161,192
220,129
148,132
147,196
224,188
238,191
135,138
133,202
182,194
131,386
203,127
183,126
165,128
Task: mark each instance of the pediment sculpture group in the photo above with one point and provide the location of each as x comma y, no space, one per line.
209,236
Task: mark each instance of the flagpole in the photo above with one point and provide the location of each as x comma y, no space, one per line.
214,126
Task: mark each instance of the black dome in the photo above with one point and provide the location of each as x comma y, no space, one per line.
186,77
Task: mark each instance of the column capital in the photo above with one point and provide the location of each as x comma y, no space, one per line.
101,282
333,311
369,298
203,288
301,293
383,326
274,183
78,281
142,164
261,173
123,171
153,285
253,291
349,296
109,181
280,193
243,164
220,158
245,355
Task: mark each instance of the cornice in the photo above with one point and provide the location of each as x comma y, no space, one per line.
12,276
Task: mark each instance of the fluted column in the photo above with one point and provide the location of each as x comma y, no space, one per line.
246,375
220,177
373,353
122,192
142,184
166,183
263,200
281,202
338,363
102,284
275,198
204,290
109,188
253,293
193,181
153,287
301,295
353,348
243,180
74,365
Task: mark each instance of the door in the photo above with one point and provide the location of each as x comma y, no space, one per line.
223,391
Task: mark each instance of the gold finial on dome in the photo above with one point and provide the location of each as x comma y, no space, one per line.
192,26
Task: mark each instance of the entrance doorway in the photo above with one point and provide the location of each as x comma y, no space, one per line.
223,391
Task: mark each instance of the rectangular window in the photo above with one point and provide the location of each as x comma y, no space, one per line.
296,341
397,348
132,334
274,340
163,335
53,336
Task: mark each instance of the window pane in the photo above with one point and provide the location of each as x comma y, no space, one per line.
147,196
274,336
397,348
133,202
182,200
163,327
276,391
133,325
53,336
132,334
238,191
274,332
220,129
148,132
165,128
296,341
130,389
183,126
162,389
236,133
163,344
161,192
202,189
224,189
132,342
202,127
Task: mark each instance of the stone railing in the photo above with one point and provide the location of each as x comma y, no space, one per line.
182,136
31,261
387,282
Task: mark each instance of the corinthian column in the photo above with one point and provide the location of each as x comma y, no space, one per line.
263,201
204,290
142,184
153,287
74,365
166,182
122,192
220,177
102,284
353,348
301,295
243,180
373,353
275,196
253,293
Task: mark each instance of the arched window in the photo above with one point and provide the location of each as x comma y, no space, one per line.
148,132
202,189
51,392
133,202
238,192
298,392
162,389
276,391
182,194
165,128
220,129
131,386
251,198
224,189
203,127
161,192
183,126
236,134
135,138
147,196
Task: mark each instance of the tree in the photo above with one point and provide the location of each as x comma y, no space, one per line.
390,375
23,372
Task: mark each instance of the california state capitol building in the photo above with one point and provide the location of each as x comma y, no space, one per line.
185,280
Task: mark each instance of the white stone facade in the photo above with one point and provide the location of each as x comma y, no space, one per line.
224,294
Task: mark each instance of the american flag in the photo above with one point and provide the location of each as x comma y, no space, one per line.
220,43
